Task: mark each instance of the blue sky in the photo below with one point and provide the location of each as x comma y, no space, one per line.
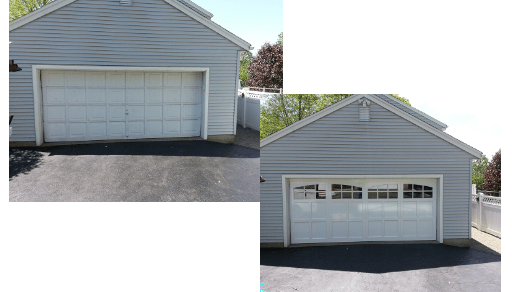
474,121
255,22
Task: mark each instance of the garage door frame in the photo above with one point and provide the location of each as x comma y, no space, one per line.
38,97
285,183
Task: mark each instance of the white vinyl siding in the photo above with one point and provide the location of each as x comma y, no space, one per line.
340,144
149,33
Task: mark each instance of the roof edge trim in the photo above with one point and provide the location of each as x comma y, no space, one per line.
443,125
206,12
50,7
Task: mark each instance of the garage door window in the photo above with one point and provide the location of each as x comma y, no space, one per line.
310,192
417,191
341,191
387,191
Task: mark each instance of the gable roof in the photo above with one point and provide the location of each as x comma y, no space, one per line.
413,111
186,6
380,101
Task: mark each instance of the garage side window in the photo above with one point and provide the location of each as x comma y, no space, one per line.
310,192
387,191
412,191
341,191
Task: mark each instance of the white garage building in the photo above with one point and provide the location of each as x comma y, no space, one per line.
368,168
112,69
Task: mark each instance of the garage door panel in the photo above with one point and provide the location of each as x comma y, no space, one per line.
301,230
191,79
154,79
116,96
410,228
375,228
136,128
339,229
425,209
117,129
154,95
77,113
75,96
134,79
96,95
319,230
172,127
355,210
355,229
154,127
410,209
391,228
116,79
302,211
117,112
190,126
355,216
172,95
77,130
97,113
339,210
154,112
318,210
172,79
135,112
172,111
390,209
96,79
55,114
425,227
56,130
120,104
191,111
55,96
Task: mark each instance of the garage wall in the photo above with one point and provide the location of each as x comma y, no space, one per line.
150,33
340,144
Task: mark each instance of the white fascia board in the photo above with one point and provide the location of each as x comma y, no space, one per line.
308,120
50,7
208,13
380,102
210,24
443,125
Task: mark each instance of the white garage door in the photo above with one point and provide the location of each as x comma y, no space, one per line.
90,105
348,210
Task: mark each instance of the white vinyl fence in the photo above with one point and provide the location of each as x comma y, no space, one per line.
486,213
249,103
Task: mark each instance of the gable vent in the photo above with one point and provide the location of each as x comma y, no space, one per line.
126,2
364,110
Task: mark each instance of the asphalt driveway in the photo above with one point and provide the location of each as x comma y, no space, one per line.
379,267
189,171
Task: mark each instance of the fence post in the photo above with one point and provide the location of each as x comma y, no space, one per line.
480,211
245,107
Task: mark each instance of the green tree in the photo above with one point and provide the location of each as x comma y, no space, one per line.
492,174
285,109
403,99
479,168
18,8
280,39
245,62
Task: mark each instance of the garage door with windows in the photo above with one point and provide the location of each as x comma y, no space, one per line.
89,105
351,210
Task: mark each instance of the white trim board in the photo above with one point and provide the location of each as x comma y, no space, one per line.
384,104
188,11
38,97
286,212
